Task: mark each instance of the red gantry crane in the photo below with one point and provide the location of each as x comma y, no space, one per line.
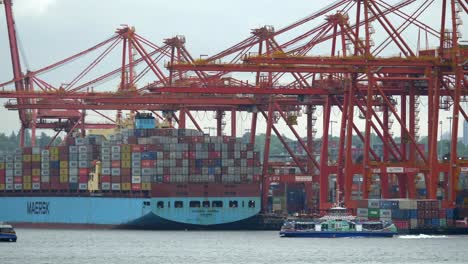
351,57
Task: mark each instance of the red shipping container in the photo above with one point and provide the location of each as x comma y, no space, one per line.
136,148
250,162
115,179
55,181
166,178
126,178
166,155
147,163
256,178
185,155
2,179
105,178
36,164
136,186
125,172
63,156
243,154
152,148
83,172
2,173
115,164
18,179
192,154
36,178
83,179
214,155
27,151
27,165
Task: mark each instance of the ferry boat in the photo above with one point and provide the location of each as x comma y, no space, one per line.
7,233
337,223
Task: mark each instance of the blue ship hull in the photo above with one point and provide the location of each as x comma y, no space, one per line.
8,237
139,213
334,234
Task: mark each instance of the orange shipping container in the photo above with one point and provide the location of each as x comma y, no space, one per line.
126,186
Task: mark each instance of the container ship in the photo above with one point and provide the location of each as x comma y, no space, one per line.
141,177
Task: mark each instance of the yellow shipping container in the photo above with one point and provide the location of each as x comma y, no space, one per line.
2,186
126,186
126,156
26,186
63,178
27,158
124,148
54,157
2,166
53,151
126,164
36,157
26,179
64,164
36,172
63,172
146,186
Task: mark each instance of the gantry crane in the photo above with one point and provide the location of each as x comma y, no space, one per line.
352,73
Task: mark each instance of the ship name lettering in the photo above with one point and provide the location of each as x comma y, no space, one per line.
38,208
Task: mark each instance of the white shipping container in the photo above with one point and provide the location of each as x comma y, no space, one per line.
45,166
375,204
83,186
73,164
115,171
18,186
362,212
73,179
115,156
36,186
105,186
83,149
10,166
45,178
9,186
116,186
136,179
79,141
36,150
9,173
385,213
9,180
73,171
83,164
83,156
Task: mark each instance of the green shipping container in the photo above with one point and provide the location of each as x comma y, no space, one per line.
374,213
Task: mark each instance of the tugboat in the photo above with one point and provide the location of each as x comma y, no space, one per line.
7,233
338,223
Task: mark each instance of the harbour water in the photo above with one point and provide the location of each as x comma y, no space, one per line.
54,246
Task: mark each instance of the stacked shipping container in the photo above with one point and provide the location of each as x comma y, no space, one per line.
407,214
131,160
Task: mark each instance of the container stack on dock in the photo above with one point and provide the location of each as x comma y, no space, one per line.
407,214
131,160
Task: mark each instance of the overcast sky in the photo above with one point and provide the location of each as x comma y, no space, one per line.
50,30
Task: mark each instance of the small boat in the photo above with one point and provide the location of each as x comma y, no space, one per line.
7,233
338,223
